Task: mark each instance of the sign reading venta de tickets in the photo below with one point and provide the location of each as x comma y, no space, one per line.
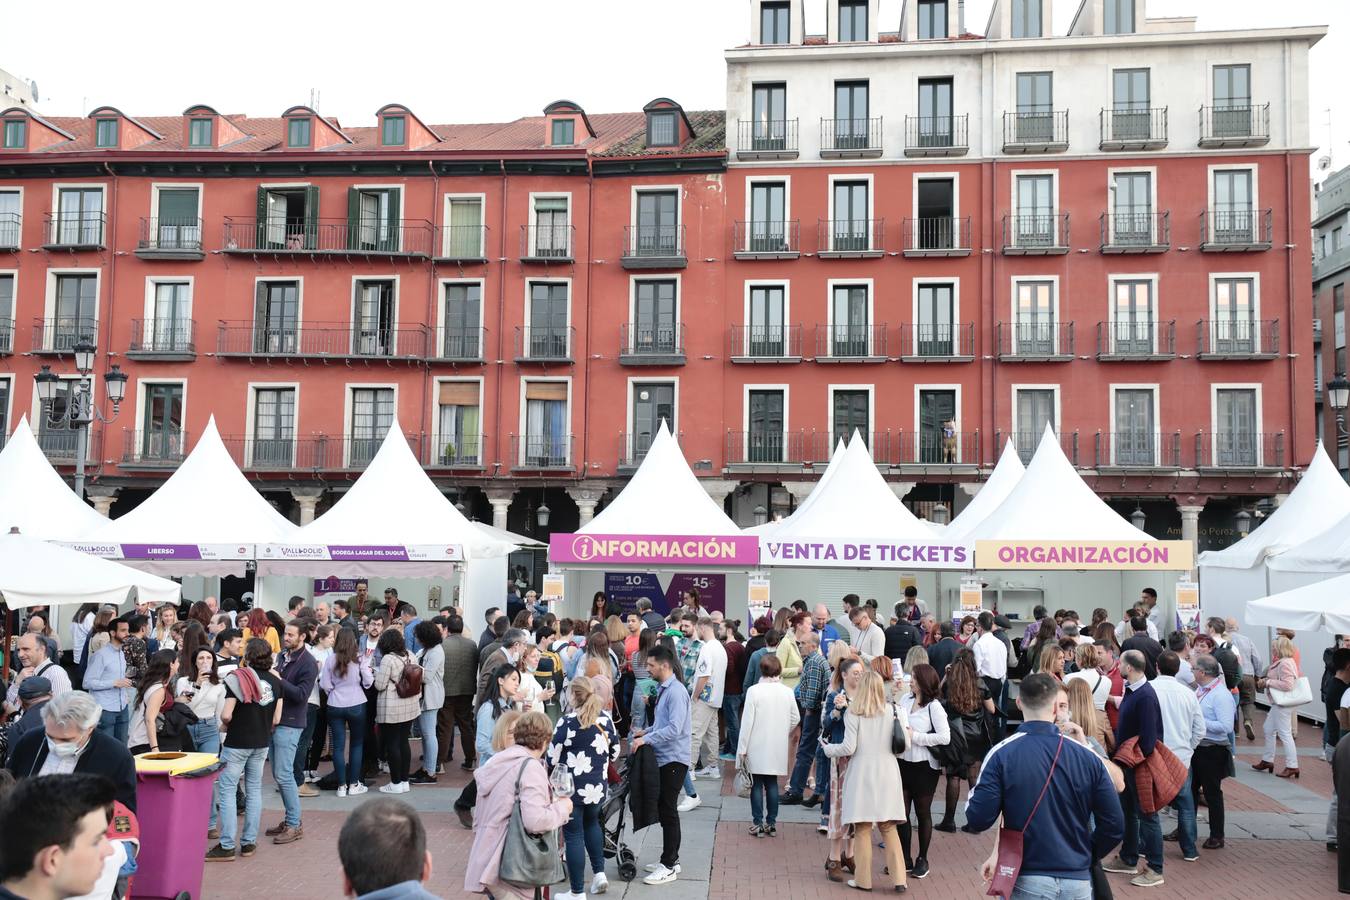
877,554
364,552
163,551
1152,556
714,551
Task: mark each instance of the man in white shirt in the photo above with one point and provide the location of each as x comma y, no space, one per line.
33,658
870,641
991,656
1183,730
710,674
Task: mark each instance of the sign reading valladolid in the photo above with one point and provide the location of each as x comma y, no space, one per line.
1157,556
364,552
654,549
879,554
163,551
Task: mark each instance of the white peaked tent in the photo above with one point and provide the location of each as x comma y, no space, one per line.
816,492
1051,502
1320,607
206,519
663,496
34,572
1006,476
393,521
34,498
1316,559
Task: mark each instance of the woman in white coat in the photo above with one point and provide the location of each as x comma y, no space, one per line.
872,792
767,720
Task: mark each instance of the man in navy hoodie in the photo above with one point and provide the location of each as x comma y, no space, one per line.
298,671
1059,849
1140,717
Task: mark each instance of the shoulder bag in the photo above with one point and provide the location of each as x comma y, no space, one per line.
529,859
1009,859
899,737
1300,694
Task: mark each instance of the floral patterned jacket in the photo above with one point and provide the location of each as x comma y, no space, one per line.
587,753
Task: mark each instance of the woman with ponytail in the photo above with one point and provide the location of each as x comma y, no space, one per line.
586,742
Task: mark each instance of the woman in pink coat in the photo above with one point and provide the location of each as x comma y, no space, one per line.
496,781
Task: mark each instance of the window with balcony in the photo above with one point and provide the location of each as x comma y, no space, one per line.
11,218
273,427
1036,330
105,133
79,217
1036,219
563,132
287,219
1132,318
393,131
552,237
852,126
852,227
373,219
657,224
1132,221
766,425
932,20
162,434
1234,329
75,313
1118,17
1135,443
276,319
1026,19
767,333
1130,116
662,129
936,322
1234,212
654,318
459,435
548,321
373,318
850,412
769,107
462,328
1035,108
171,328
372,412
16,134
299,132
176,225
1232,115
936,226
768,217
936,126
464,233
653,402
546,425
1237,442
1035,409
774,21
852,20
938,438
6,313
200,133
850,331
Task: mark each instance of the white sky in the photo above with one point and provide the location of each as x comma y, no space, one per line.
462,61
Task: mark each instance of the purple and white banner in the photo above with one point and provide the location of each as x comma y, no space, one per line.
363,552
717,551
164,552
864,554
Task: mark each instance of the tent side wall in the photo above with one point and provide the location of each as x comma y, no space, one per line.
1310,644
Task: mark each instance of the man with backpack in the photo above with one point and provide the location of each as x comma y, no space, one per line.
297,670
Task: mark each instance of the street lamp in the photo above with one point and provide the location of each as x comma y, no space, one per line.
79,412
541,514
1338,397
1244,523
1137,518
940,515
761,515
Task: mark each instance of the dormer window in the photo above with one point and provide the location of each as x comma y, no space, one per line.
563,133
852,21
393,131
662,129
1118,17
105,133
774,21
932,20
16,134
298,132
199,133
1026,19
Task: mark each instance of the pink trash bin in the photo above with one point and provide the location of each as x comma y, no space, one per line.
173,804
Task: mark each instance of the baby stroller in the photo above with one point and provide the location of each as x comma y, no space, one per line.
612,816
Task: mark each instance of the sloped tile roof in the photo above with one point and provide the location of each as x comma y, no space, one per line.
710,136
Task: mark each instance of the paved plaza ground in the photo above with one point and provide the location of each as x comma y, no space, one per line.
1276,847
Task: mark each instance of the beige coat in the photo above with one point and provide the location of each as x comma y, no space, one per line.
872,791
766,724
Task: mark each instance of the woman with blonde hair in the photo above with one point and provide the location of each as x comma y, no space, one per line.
917,656
504,732
1051,662
872,794
1083,711
1099,686
533,695
601,681
1282,676
883,666
586,742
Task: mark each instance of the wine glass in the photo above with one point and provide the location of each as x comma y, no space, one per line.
561,781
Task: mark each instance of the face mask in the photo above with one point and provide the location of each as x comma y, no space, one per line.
65,749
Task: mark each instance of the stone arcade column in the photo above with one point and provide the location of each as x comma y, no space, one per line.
1190,509
501,502
102,497
586,500
308,501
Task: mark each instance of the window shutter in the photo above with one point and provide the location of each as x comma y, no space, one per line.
260,240
458,393
311,216
394,197
545,390
260,305
353,218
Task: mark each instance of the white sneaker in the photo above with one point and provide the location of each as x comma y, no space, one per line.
404,787
568,895
652,867
600,883
709,772
661,875
390,788
686,803
357,789
342,790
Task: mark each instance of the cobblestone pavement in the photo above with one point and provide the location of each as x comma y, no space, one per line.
1276,847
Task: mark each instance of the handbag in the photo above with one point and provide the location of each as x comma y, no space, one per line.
1008,863
529,859
899,737
1299,695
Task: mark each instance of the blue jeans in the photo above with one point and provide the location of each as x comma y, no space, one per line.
689,783
342,719
764,790
302,746
247,764
1043,887
823,781
116,724
1184,804
806,752
1140,827
731,715
583,838
426,720
205,736
285,741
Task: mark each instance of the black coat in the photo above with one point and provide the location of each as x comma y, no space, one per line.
644,787
941,654
900,637
104,756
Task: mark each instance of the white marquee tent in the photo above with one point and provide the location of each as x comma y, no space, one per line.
771,527
1006,475
34,572
34,498
1320,607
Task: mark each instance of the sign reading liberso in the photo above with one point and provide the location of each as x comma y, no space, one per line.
364,552
877,554
654,549
168,552
1154,556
